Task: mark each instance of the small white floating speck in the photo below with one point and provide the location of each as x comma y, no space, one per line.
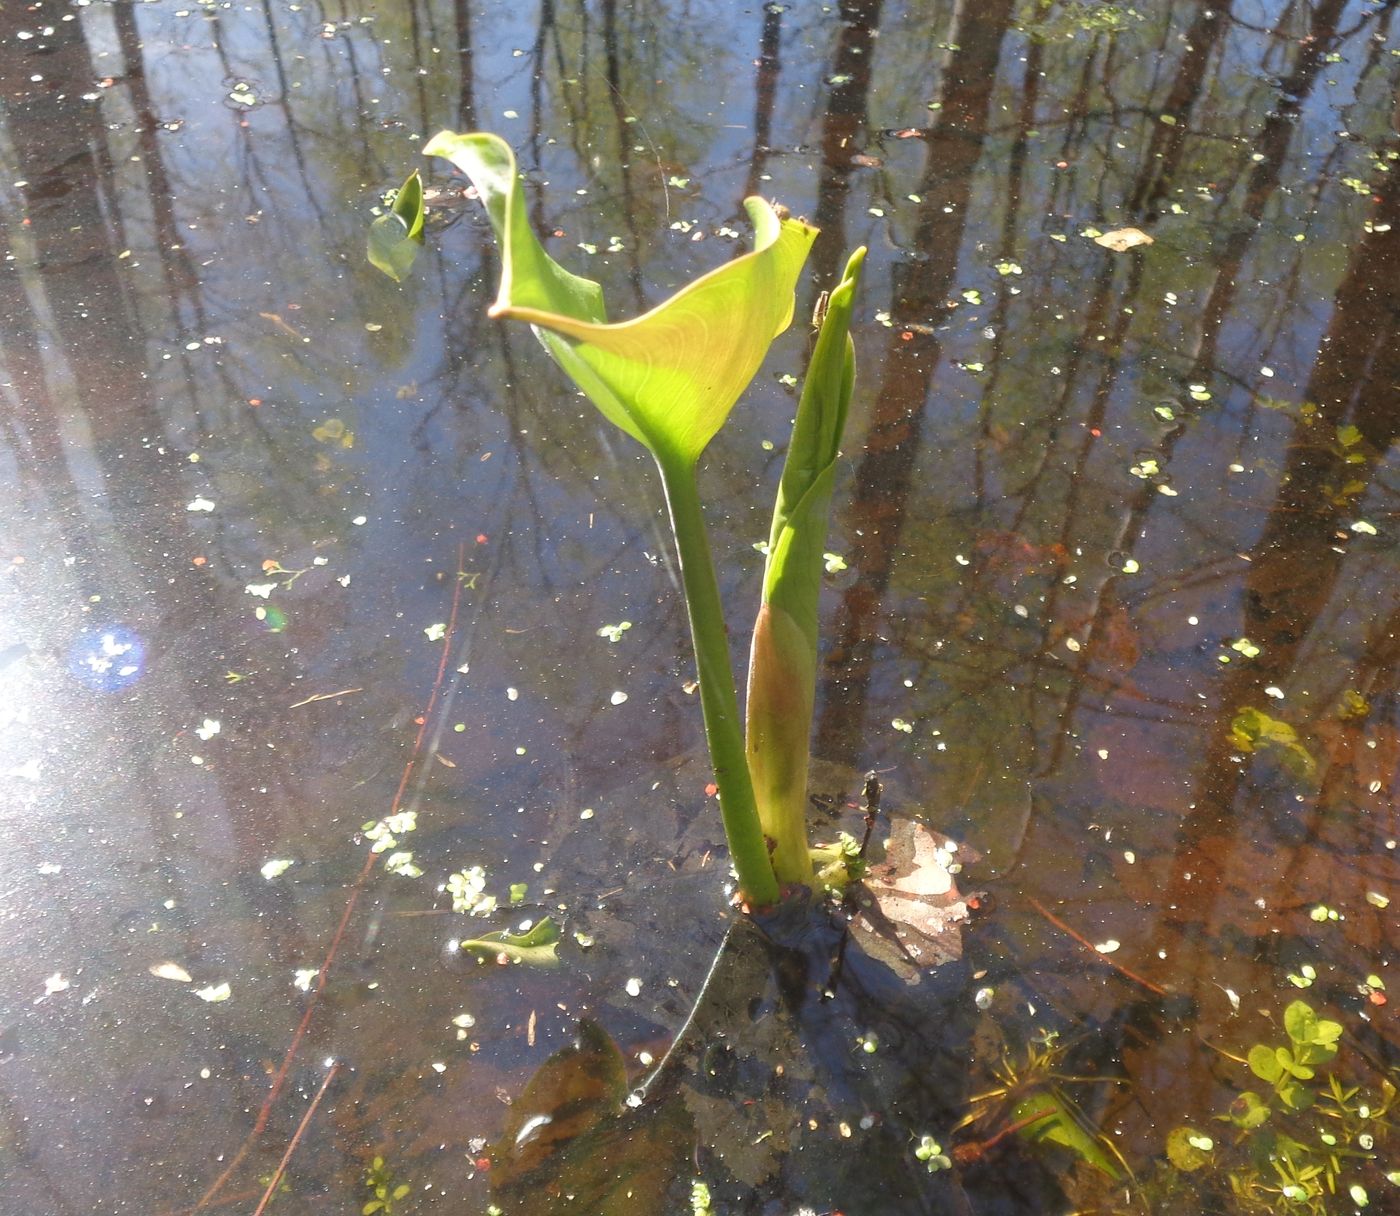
634,987
1108,947
618,697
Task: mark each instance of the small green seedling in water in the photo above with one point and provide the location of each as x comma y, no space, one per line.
669,379
396,236
380,1180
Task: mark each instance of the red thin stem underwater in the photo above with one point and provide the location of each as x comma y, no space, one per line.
323,974
296,1139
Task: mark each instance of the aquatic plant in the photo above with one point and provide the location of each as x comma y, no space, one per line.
1308,1142
379,1178
669,379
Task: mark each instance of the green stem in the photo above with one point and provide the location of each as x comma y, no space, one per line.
718,701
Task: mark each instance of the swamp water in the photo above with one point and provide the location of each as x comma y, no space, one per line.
288,547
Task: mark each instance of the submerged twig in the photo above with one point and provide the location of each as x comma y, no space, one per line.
1097,953
281,1169
324,696
265,1111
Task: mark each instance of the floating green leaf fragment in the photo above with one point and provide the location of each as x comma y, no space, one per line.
538,945
1377,900
214,993
1007,267
679,183
1323,913
276,867
835,563
1364,528
972,296
1303,977
518,891
396,237
271,616
1245,647
613,633
437,631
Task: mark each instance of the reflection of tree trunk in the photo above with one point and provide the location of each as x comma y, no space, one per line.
466,59
882,480
765,92
1299,557
612,55
1271,147
1169,138
843,132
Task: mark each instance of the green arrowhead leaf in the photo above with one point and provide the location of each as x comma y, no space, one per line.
669,377
396,236
538,946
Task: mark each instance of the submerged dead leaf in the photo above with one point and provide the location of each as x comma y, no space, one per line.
1120,240
571,1145
909,904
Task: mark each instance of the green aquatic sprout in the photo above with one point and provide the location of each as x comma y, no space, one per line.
396,236
783,658
379,1178
669,379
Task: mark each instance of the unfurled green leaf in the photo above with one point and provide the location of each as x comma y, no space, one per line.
1264,1064
669,377
396,236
